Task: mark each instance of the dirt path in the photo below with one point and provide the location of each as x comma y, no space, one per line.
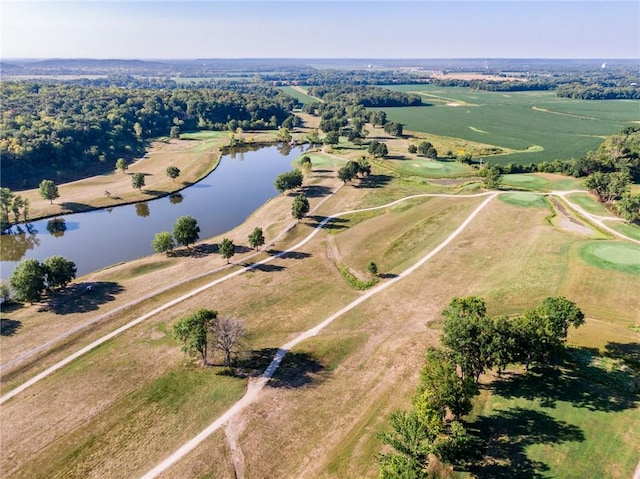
256,385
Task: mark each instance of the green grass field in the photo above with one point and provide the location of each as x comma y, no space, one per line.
541,182
539,124
614,255
524,199
429,168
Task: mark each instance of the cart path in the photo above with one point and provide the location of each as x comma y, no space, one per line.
256,385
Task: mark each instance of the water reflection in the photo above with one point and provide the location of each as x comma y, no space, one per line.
56,227
15,244
175,198
142,210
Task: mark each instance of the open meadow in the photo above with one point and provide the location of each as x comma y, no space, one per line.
120,409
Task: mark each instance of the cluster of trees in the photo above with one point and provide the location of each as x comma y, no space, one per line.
378,149
204,330
431,436
185,232
353,169
288,180
30,278
12,203
424,148
603,90
67,131
366,96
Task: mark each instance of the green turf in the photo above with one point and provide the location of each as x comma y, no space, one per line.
320,160
588,203
542,126
301,97
429,168
629,230
524,199
614,255
538,182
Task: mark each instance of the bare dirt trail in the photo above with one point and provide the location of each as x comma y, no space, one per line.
256,385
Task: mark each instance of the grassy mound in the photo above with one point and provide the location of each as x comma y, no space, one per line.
524,200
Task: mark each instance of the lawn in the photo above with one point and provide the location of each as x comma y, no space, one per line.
542,126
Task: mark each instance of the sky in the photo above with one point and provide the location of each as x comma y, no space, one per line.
145,29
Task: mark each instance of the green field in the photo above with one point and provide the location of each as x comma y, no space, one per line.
614,255
301,97
548,127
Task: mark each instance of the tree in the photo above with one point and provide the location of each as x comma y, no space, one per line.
5,292
378,149
373,269
256,238
393,128
58,271
288,181
48,190
413,149
492,176
425,148
137,180
227,249
192,330
300,207
283,135
314,138
227,335
27,280
629,207
173,172
163,242
186,231
411,442
332,138
174,132
121,164
305,165
347,173
378,118
608,186
467,333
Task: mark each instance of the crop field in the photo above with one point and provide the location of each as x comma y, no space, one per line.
541,126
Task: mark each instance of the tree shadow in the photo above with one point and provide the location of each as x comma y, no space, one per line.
265,268
374,181
240,249
73,207
387,275
296,370
155,193
316,191
577,381
198,251
337,224
82,297
507,434
627,352
290,254
9,327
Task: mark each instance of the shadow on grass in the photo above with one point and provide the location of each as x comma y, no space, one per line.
290,254
73,207
577,381
387,275
9,327
197,251
78,298
627,352
296,369
336,224
508,433
266,268
316,191
373,181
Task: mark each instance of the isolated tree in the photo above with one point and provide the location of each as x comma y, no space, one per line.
173,172
137,180
58,271
346,173
256,238
300,207
48,190
163,242
192,330
186,231
332,138
393,128
121,164
227,336
227,249
288,181
492,177
27,281
306,165
174,132
413,149
373,269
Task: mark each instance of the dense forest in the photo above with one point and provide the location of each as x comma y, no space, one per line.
66,131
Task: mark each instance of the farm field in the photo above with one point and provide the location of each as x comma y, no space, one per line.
541,126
